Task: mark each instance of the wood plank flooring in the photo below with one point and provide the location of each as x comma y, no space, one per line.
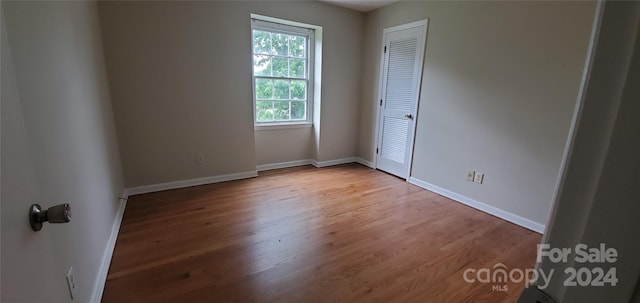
339,234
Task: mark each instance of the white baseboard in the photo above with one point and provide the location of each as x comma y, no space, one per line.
315,163
98,288
188,183
263,167
492,210
364,162
334,162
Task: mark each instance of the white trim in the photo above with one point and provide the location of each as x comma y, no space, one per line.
425,27
577,113
280,25
492,210
378,104
365,162
190,182
266,23
270,166
382,89
283,21
282,126
101,280
406,26
334,162
237,176
317,91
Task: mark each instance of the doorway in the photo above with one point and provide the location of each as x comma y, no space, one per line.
400,78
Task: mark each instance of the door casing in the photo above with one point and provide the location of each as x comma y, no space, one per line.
425,24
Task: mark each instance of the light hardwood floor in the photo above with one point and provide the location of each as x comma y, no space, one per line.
339,234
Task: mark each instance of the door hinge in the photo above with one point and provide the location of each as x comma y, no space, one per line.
385,49
377,150
380,102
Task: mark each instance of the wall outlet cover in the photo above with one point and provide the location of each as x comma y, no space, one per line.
71,282
471,175
479,178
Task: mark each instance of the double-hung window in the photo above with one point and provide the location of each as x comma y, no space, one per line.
282,73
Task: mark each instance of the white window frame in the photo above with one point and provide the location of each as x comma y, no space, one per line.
295,28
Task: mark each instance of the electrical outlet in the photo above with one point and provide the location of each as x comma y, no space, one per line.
470,175
71,282
478,178
199,158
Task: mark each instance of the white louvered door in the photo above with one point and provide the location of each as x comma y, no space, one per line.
403,53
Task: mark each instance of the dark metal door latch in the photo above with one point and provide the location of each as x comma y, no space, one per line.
55,214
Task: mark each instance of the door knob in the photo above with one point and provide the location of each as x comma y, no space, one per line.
409,116
55,214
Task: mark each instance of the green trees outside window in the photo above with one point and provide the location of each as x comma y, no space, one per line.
280,76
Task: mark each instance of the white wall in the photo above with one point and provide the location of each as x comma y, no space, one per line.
598,201
500,81
180,74
58,145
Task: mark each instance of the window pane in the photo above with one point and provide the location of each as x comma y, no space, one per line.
261,42
264,89
298,89
297,46
261,65
280,74
264,111
296,68
281,89
298,110
280,67
280,44
281,110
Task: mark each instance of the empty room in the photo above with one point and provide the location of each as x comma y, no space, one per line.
320,151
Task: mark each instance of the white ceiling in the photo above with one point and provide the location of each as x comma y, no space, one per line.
360,5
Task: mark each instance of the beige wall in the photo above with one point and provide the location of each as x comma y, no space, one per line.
58,145
500,82
282,145
180,74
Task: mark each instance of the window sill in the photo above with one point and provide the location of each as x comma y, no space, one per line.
282,126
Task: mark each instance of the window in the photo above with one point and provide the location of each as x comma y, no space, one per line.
282,73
